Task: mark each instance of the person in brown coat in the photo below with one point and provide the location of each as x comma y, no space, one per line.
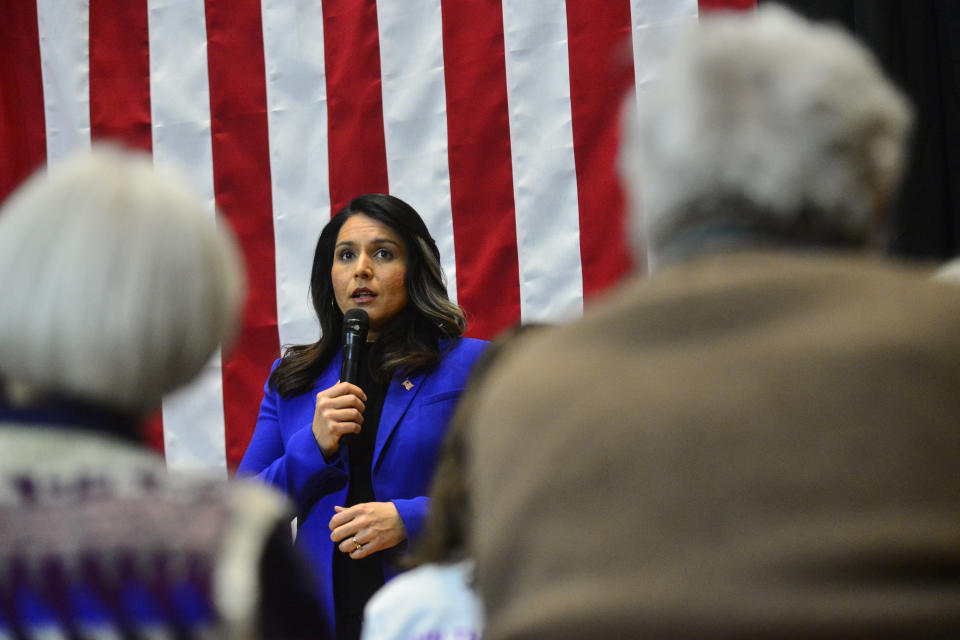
762,439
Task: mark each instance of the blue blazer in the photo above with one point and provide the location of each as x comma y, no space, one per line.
284,453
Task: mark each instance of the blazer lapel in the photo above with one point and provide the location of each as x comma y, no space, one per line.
400,394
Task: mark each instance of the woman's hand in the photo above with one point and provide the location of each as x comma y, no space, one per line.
366,528
339,410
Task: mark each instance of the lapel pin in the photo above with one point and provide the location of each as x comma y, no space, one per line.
407,384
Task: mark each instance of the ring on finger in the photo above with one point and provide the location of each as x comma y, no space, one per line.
356,545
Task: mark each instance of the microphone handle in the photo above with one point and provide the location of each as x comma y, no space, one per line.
350,370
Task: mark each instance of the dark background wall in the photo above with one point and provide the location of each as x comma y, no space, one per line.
918,43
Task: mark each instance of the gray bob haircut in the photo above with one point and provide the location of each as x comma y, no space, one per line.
772,112
117,285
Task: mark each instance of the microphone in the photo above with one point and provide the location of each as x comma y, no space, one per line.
356,322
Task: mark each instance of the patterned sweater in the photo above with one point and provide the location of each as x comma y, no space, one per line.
97,540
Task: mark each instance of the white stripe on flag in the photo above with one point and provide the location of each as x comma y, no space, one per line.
415,117
64,29
544,170
655,24
193,422
299,172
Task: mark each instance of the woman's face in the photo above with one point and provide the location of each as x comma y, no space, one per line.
369,267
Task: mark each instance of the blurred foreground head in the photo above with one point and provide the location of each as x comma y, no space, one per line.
763,129
117,286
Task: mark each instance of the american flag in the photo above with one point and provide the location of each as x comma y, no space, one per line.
496,119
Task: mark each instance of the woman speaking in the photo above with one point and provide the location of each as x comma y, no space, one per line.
361,497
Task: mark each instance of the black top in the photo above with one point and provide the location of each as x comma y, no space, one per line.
354,581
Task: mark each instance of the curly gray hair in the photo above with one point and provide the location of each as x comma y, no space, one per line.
766,122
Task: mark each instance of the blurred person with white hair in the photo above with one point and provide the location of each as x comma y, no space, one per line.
793,139
761,439
117,288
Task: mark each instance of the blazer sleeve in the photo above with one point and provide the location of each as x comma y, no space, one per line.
413,512
266,445
295,467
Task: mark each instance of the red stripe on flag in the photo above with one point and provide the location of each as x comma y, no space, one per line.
241,180
152,431
120,99
120,73
707,6
358,156
481,176
601,73
23,136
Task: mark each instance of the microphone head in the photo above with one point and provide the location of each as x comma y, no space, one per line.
357,322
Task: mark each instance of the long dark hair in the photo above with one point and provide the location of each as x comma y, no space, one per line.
411,340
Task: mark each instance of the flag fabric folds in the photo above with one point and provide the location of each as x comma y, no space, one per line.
496,119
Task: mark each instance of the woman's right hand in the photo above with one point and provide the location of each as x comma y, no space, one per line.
339,411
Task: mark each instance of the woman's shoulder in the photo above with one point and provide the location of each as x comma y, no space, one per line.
463,348
457,358
292,365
